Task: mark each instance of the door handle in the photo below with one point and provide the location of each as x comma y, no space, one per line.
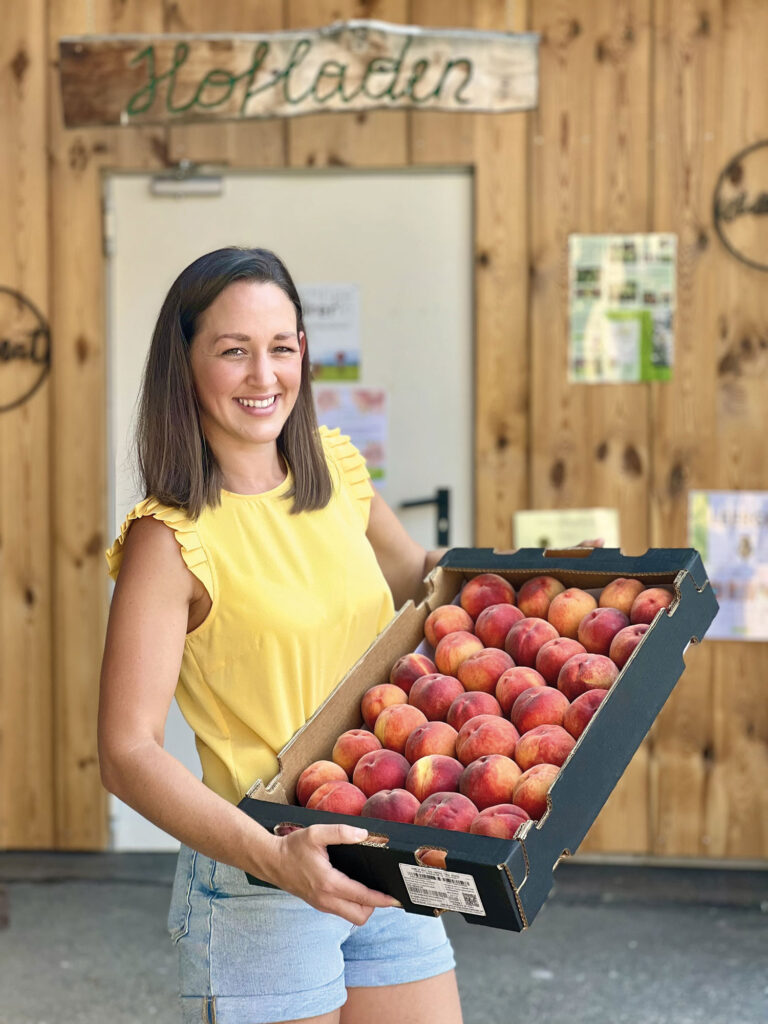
442,501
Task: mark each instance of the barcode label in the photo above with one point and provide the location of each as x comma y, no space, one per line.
446,890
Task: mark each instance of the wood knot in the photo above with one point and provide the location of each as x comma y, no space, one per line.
702,239
601,452
29,597
483,258
94,545
631,461
361,117
502,442
81,348
334,160
705,26
676,480
19,65
557,473
78,156
735,173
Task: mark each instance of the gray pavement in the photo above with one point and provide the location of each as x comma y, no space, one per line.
620,944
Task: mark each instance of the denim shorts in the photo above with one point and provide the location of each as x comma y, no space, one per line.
251,955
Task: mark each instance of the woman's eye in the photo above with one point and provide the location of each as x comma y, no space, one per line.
232,351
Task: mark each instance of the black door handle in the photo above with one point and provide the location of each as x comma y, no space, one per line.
442,500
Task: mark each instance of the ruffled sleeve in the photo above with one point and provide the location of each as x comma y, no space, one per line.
184,530
352,468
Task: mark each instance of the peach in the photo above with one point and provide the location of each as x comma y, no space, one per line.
408,669
448,618
314,775
434,694
350,747
381,769
469,705
489,780
648,603
568,609
535,596
546,744
501,821
434,773
554,654
446,810
454,649
485,734
625,641
620,593
391,805
513,682
481,671
598,628
541,705
338,797
532,787
495,621
580,711
484,590
526,638
585,672
395,724
378,698
432,738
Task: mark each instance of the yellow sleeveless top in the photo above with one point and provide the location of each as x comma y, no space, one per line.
296,600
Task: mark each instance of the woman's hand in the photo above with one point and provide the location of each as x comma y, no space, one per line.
299,864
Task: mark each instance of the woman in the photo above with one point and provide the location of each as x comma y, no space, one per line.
257,570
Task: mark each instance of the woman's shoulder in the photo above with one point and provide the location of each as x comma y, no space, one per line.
350,465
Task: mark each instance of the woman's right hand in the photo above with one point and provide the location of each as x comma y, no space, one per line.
299,863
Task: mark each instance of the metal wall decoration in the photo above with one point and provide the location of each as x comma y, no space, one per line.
25,348
740,205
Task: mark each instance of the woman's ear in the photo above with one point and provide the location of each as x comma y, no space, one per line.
302,343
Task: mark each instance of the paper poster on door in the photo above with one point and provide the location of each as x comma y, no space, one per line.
332,322
361,413
729,529
565,527
621,291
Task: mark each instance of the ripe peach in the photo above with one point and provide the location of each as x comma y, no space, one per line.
485,734
620,593
536,594
446,810
489,780
484,590
526,638
554,654
625,641
432,738
585,672
546,744
408,668
580,711
532,787
598,628
395,724
568,609
381,769
314,775
470,705
513,682
448,618
455,648
481,671
495,621
500,820
540,705
434,694
391,805
378,698
338,797
434,773
648,603
350,747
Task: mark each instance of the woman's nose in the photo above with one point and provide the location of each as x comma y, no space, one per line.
260,369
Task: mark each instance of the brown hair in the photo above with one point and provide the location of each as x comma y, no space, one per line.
176,465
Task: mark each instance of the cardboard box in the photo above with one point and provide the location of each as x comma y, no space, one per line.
497,882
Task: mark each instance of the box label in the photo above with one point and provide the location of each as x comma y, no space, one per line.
447,890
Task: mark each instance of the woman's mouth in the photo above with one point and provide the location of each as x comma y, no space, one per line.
257,403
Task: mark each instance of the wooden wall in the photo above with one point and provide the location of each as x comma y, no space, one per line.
642,102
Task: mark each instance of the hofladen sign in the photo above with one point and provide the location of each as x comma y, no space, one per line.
740,205
349,66
25,348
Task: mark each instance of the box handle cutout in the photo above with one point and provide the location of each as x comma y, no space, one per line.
284,828
431,857
375,839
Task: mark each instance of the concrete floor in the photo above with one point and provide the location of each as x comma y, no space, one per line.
621,944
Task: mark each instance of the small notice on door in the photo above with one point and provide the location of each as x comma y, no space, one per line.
332,320
361,413
446,890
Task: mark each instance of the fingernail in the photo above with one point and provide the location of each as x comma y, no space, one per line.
359,833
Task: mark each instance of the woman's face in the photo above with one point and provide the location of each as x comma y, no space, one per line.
246,364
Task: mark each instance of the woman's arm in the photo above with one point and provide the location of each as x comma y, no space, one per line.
403,562
142,657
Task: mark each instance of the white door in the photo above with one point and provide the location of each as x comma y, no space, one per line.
401,239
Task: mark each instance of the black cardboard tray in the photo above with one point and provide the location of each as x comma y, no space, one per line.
504,883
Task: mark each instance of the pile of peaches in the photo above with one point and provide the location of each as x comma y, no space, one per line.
472,738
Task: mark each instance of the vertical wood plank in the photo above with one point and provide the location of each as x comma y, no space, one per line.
589,443
26,690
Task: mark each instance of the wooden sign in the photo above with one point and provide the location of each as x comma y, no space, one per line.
349,66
